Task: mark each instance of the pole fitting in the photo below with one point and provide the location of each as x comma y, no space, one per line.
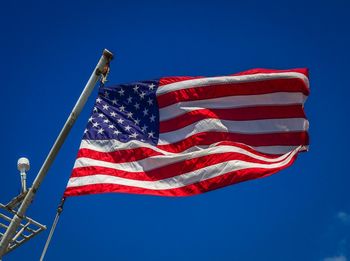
105,70
108,55
60,206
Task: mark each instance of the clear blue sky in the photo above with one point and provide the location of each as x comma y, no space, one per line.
48,50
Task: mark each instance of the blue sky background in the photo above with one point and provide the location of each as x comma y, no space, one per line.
48,50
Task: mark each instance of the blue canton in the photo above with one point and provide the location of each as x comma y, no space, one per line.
125,112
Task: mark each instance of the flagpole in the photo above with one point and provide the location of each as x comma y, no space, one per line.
98,71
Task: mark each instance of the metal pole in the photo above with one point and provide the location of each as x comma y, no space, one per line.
104,60
24,182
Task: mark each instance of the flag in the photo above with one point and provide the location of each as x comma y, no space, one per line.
180,136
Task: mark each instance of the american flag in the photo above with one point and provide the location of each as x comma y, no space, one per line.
181,136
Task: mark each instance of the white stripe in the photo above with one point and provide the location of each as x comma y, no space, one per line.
116,145
158,161
278,149
246,127
180,180
230,102
193,83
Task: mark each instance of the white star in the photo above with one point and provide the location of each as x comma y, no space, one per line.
113,114
134,135
137,106
137,121
91,119
105,107
116,132
122,108
100,115
145,112
144,128
98,100
120,121
115,101
129,114
95,124
106,94
127,128
106,121
142,95
136,88
129,99
150,134
100,131
121,92
151,86
152,118
95,109
111,126
150,102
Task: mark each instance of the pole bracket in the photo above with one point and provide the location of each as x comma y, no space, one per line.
27,229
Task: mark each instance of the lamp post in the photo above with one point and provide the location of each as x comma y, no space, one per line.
23,165
28,227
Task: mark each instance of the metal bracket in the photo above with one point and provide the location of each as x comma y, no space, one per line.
27,229
16,201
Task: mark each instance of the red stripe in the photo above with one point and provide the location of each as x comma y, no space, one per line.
237,114
169,80
119,156
271,139
174,79
170,170
127,155
304,71
193,189
233,89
